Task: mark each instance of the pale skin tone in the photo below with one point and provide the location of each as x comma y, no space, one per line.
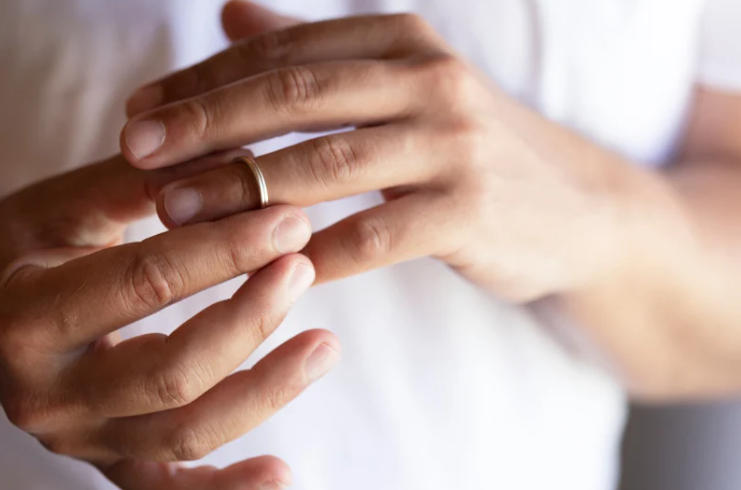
642,262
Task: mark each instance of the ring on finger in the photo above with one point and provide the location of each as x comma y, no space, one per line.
259,178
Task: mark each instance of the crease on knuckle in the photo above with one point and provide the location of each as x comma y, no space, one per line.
262,326
294,90
188,444
201,114
372,240
277,397
154,281
333,160
174,387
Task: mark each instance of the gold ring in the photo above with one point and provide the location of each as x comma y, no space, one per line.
259,177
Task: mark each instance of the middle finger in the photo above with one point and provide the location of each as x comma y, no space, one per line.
361,37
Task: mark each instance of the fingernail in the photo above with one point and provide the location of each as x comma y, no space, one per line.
182,204
301,279
144,137
291,235
144,99
321,361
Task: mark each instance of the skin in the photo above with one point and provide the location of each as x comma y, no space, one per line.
642,261
132,407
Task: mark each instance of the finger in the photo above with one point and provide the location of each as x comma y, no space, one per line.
274,103
242,19
156,372
355,38
413,226
231,409
84,299
43,259
263,473
323,169
94,203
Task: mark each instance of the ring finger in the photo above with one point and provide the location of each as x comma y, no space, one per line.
318,170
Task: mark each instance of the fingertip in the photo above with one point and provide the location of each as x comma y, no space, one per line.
287,265
318,336
277,471
266,472
242,19
234,21
290,276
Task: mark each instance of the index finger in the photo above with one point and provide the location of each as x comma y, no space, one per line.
362,37
86,298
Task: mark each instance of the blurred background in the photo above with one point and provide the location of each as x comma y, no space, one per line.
683,448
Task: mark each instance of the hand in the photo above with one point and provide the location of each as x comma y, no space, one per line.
131,407
469,176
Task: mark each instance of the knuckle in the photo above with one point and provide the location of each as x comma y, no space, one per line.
372,240
263,325
410,22
468,140
154,281
174,387
449,78
277,397
332,159
187,444
273,48
294,89
202,113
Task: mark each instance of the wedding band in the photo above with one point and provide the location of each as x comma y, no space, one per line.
259,178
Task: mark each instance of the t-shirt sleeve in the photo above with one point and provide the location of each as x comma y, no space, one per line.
720,45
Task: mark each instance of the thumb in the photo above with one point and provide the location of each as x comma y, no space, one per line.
89,207
242,19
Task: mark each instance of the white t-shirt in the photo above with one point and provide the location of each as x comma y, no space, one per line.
441,387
